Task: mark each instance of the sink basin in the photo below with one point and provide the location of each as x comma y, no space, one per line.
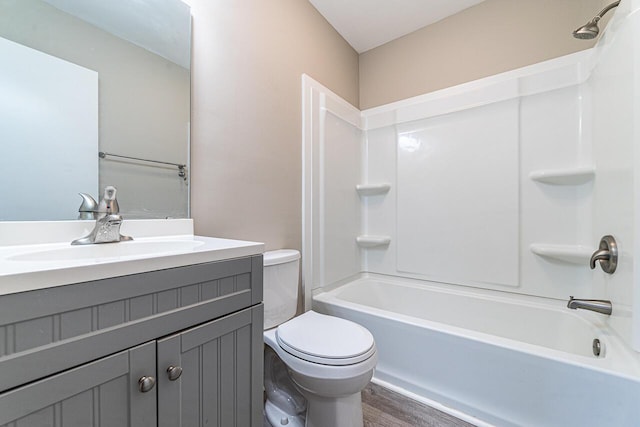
132,249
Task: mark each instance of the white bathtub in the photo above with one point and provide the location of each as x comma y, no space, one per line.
500,359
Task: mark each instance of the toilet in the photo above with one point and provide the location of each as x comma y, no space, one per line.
315,366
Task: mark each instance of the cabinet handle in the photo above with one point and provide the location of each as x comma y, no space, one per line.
146,384
174,372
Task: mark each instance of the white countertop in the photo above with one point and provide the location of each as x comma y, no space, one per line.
26,267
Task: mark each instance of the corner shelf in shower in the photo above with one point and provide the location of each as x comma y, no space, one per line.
568,176
373,241
572,254
372,189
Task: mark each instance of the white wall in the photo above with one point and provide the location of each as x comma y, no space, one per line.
615,88
450,225
509,182
332,167
463,208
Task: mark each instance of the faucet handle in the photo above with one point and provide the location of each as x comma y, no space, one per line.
607,254
89,204
602,255
109,203
88,207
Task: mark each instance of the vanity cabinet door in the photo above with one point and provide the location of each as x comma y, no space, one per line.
221,373
103,393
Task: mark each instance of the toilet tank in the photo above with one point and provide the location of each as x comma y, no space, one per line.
281,270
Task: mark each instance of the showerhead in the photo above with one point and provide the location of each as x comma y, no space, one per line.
590,30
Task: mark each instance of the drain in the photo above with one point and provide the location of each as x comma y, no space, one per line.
596,346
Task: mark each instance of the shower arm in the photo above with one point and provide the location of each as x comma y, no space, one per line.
603,12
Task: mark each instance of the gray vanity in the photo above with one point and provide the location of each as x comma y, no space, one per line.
175,346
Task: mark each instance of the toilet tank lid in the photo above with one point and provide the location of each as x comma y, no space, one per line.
280,256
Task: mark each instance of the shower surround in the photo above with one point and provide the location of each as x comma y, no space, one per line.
503,186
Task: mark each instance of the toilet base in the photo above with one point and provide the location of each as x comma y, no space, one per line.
277,417
343,411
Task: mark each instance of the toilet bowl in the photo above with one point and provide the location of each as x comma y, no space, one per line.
328,360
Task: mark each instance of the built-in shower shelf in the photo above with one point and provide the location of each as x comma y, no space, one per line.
373,241
372,189
568,176
573,254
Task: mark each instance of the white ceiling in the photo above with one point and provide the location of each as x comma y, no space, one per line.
366,24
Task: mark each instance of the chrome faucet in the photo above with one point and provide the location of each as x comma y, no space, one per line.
106,230
90,209
597,305
108,221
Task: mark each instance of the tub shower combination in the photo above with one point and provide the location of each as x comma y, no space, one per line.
502,359
459,228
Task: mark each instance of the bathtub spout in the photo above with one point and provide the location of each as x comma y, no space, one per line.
597,305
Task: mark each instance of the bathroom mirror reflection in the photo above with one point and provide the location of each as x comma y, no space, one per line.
81,77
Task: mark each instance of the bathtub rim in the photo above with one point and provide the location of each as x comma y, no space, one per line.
625,364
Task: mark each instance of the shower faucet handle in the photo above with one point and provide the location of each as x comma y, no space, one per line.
607,254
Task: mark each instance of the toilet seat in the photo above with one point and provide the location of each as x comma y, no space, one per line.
325,340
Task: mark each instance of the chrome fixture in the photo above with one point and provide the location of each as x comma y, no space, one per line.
106,230
109,203
88,208
590,30
174,372
607,254
146,384
108,221
182,168
597,305
596,347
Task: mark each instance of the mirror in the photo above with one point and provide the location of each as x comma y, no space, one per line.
86,77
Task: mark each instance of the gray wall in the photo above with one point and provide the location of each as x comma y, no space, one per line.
489,38
248,58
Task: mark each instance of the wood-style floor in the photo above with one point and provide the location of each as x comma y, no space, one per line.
385,408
